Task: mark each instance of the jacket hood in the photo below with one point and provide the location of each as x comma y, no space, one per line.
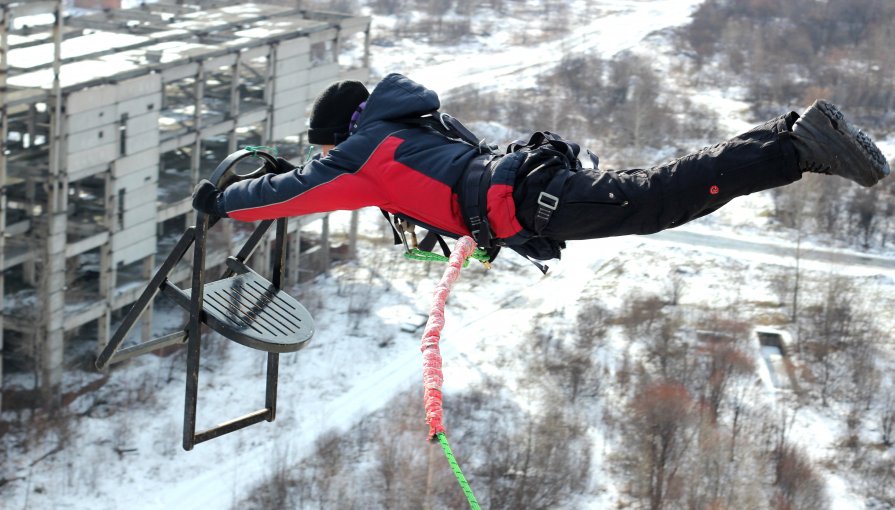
398,97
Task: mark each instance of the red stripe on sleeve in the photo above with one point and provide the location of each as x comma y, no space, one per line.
382,182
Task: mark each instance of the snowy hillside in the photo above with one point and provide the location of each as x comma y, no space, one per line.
504,325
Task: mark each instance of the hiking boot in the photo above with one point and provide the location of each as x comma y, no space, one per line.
826,143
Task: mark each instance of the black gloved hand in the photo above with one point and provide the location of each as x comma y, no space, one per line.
206,199
284,166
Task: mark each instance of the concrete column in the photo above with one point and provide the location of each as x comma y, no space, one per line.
324,242
2,291
263,254
52,277
367,48
4,126
295,254
234,90
107,270
337,44
52,296
106,290
196,159
352,235
269,74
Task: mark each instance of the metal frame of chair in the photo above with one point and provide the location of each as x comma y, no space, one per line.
241,306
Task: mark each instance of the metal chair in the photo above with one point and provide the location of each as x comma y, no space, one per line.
241,306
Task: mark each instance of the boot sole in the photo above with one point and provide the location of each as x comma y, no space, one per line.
878,161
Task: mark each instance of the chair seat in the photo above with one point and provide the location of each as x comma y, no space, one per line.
248,309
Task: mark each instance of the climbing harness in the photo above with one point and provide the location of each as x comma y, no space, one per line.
476,179
432,374
544,153
474,217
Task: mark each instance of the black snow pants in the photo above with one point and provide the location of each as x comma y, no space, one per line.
643,201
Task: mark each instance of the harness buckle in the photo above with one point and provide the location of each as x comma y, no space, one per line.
480,231
552,201
403,228
443,119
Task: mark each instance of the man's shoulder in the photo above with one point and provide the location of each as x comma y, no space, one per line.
397,97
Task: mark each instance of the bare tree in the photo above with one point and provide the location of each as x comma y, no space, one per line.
887,418
798,485
863,381
726,364
552,459
863,212
713,481
782,284
674,287
592,324
665,348
633,96
663,420
743,391
642,316
830,329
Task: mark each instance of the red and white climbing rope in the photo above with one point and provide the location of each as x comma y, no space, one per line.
432,374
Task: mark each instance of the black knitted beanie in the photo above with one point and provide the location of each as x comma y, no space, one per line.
332,111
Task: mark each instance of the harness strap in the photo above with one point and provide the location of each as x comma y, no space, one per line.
543,268
548,200
399,236
452,124
474,199
451,129
429,241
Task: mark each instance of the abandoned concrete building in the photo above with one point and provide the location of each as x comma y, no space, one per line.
109,118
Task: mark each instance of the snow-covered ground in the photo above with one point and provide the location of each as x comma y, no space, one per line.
360,356
492,63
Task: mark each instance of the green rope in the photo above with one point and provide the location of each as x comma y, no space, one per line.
424,256
255,148
427,256
480,255
473,504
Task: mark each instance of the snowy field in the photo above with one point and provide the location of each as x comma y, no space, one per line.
126,451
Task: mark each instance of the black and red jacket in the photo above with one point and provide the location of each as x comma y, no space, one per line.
404,169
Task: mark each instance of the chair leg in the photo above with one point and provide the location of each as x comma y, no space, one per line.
158,281
192,390
273,367
194,348
190,436
194,332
